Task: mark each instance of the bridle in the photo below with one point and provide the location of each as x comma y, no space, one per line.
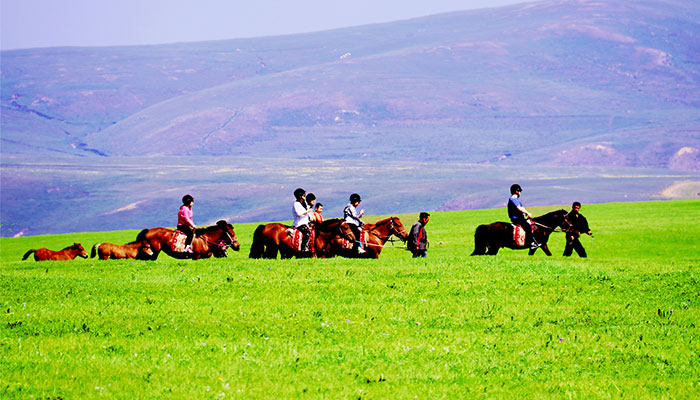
554,229
392,231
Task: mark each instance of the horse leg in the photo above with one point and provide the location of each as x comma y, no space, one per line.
545,248
492,250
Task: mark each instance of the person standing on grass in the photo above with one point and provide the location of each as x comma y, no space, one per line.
418,238
578,224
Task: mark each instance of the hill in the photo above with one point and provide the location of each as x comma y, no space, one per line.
526,89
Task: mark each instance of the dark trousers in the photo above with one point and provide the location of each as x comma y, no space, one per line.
355,231
187,230
572,243
305,234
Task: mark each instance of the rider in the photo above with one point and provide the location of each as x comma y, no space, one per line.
185,224
301,212
317,214
353,219
518,215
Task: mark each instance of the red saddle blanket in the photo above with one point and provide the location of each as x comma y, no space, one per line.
297,237
518,235
177,243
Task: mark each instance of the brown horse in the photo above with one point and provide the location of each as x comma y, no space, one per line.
269,239
488,239
69,253
212,240
376,236
140,250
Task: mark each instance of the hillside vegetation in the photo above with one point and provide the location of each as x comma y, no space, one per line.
620,324
607,92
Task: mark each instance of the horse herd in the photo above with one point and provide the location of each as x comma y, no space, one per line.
332,238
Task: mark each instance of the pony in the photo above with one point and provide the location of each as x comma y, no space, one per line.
376,236
212,240
488,239
69,253
140,250
270,239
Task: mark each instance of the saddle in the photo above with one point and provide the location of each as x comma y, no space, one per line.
518,235
177,243
297,238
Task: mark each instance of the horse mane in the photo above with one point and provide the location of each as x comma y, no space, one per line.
551,213
221,224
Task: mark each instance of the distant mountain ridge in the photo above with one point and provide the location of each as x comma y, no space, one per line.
591,84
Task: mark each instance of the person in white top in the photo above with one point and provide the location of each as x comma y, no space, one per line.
301,213
353,219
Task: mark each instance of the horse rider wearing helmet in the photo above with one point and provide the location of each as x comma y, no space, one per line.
353,219
185,223
519,215
301,212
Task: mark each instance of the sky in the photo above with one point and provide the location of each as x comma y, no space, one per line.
51,23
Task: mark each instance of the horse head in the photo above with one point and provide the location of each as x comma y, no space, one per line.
78,248
345,231
228,236
146,248
397,229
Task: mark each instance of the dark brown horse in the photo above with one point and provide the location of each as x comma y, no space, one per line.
69,253
270,239
212,240
140,250
488,239
376,236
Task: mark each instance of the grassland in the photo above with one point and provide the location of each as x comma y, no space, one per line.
620,324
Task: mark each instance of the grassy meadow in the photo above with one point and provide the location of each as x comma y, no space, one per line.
622,323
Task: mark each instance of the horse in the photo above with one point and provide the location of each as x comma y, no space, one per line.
269,239
488,239
140,250
212,240
69,253
377,234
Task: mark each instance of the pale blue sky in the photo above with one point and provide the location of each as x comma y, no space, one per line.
49,23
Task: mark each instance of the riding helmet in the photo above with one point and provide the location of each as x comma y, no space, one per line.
515,188
187,199
355,198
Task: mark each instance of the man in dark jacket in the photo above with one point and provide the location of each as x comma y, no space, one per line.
418,238
578,224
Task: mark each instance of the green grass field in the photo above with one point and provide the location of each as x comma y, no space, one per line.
621,324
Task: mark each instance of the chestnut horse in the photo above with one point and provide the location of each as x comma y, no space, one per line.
488,239
69,253
376,236
138,250
269,239
212,240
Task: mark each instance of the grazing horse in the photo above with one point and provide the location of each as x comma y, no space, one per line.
488,239
140,250
212,240
376,236
69,253
269,239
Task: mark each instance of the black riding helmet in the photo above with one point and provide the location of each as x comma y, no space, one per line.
298,193
355,198
515,188
187,199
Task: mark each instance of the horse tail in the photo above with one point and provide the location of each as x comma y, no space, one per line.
26,255
480,240
95,248
258,247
